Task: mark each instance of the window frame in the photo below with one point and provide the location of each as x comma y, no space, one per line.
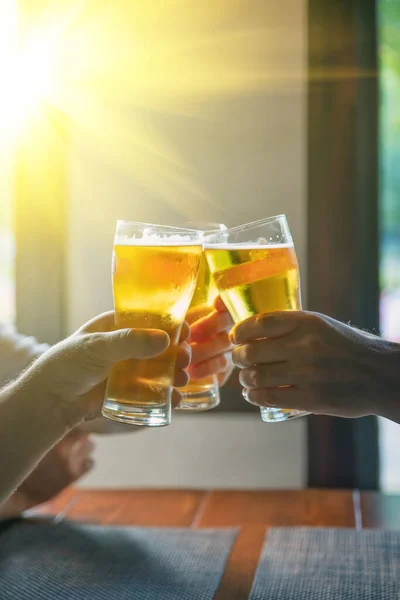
343,215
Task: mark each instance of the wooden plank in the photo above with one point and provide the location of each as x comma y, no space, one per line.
147,508
319,508
380,511
58,505
252,511
241,567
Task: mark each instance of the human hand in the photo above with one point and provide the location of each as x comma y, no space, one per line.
74,371
210,345
307,361
64,464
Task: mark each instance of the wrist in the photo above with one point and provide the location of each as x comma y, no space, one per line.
386,401
29,426
52,411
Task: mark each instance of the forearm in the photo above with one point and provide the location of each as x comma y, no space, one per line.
390,410
387,374
29,426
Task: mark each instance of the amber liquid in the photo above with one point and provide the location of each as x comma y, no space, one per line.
201,306
253,280
153,287
256,280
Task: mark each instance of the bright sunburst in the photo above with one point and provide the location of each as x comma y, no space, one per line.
108,66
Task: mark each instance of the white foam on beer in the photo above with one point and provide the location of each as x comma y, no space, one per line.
247,246
154,239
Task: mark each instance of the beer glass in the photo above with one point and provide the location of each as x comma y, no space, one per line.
202,394
256,271
155,270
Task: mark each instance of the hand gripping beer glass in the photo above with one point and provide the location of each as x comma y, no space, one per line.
256,271
202,394
155,270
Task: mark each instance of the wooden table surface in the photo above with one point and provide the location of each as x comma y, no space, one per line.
252,511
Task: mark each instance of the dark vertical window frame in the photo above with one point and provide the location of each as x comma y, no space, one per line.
343,213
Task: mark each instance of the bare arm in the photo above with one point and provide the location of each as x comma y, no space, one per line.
29,427
62,388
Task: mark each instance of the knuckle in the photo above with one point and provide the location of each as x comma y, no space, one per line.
94,348
313,343
269,397
247,354
316,321
186,351
255,377
264,320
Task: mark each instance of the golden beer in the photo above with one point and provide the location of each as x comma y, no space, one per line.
256,279
256,271
201,306
153,286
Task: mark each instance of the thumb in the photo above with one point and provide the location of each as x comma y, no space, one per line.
123,344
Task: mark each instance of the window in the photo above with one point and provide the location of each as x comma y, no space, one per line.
389,56
7,281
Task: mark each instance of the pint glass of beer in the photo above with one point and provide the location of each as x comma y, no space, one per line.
155,270
256,271
202,394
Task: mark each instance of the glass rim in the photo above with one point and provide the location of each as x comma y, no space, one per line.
144,224
251,225
216,227
165,228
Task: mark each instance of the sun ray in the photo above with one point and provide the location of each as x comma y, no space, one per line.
108,68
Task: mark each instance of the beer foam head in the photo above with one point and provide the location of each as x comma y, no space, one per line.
157,240
143,234
248,246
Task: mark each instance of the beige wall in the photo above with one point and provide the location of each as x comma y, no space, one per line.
244,156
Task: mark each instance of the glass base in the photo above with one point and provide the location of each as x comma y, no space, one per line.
145,416
199,401
275,415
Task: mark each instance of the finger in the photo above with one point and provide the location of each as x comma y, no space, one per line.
88,465
219,305
181,378
218,364
286,397
106,322
82,447
185,332
86,446
101,323
94,401
267,376
260,352
176,398
183,356
81,468
210,348
124,344
70,444
268,325
216,322
78,466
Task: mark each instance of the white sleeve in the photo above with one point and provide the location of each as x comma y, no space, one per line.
16,352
